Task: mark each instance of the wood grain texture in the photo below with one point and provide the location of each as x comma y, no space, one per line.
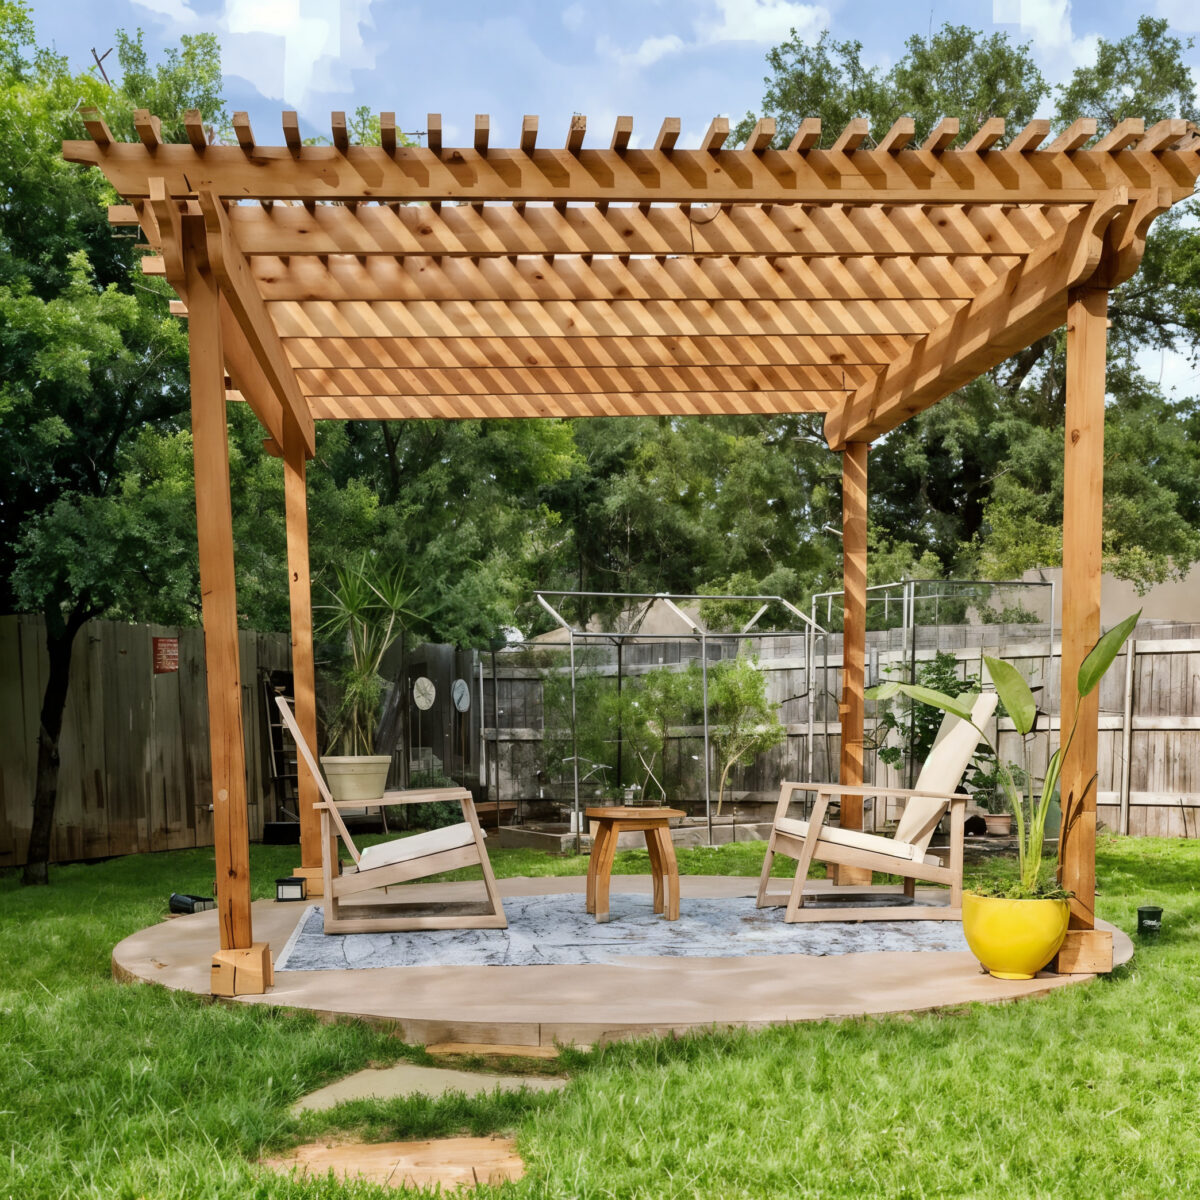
740,230
639,176
1083,518
214,523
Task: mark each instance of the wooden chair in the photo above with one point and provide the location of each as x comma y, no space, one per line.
400,860
904,853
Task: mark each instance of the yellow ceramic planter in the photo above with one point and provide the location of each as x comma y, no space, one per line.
1013,939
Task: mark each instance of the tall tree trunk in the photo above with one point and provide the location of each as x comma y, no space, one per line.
60,642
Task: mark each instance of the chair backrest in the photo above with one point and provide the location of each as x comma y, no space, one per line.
951,754
289,720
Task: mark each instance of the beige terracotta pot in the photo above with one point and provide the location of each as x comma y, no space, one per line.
998,824
356,778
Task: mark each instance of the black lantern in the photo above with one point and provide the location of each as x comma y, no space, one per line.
1149,920
294,887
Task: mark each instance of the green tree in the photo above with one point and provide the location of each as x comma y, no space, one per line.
94,367
976,479
957,72
744,722
652,705
825,79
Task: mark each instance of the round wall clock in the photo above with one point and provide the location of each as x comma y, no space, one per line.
424,693
460,693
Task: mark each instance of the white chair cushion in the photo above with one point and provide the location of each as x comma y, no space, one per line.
857,840
387,854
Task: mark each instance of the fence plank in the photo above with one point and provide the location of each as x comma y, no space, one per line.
134,772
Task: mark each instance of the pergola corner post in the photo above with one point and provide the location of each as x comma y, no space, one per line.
304,691
854,642
1086,948
241,965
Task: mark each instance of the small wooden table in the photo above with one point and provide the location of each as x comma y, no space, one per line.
611,821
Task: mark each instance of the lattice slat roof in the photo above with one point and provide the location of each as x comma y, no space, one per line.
865,283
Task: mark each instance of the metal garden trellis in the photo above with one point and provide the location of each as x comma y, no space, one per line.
699,633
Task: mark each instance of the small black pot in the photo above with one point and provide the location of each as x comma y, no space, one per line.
1149,920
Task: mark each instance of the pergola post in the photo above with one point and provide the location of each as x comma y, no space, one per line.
1083,512
241,965
303,672
854,641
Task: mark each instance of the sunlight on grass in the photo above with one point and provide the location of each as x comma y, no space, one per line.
111,1090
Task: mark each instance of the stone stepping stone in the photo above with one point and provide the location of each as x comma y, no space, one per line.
407,1079
448,1162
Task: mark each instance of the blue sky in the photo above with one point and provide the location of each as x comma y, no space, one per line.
692,59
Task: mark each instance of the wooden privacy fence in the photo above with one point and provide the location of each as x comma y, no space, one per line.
135,773
1149,749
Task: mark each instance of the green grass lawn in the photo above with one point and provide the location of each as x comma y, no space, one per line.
111,1090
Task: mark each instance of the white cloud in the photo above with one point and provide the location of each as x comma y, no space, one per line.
289,49
1048,24
764,22
572,17
648,53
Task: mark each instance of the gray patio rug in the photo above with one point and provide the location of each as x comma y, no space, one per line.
555,930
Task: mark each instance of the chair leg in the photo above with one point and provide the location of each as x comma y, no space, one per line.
765,878
910,887
956,892
329,900
489,885
796,897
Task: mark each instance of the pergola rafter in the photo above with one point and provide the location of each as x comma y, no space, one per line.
863,282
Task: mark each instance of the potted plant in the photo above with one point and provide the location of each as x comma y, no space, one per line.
991,794
365,611
998,817
1016,930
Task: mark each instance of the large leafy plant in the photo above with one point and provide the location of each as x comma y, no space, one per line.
1029,810
366,610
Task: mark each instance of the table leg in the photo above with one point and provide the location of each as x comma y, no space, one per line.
656,867
666,850
594,863
604,870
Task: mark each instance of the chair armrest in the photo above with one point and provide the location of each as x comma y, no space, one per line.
424,796
870,789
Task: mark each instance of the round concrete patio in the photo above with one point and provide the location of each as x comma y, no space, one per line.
628,996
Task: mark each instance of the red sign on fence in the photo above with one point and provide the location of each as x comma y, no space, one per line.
166,655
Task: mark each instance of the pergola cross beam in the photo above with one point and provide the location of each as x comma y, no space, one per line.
413,173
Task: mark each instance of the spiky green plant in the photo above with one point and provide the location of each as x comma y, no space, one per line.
366,610
1029,811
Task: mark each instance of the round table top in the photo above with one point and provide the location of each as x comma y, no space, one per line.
631,812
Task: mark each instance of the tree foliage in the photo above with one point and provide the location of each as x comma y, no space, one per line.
976,481
743,722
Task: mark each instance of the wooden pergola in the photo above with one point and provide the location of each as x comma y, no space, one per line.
865,281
